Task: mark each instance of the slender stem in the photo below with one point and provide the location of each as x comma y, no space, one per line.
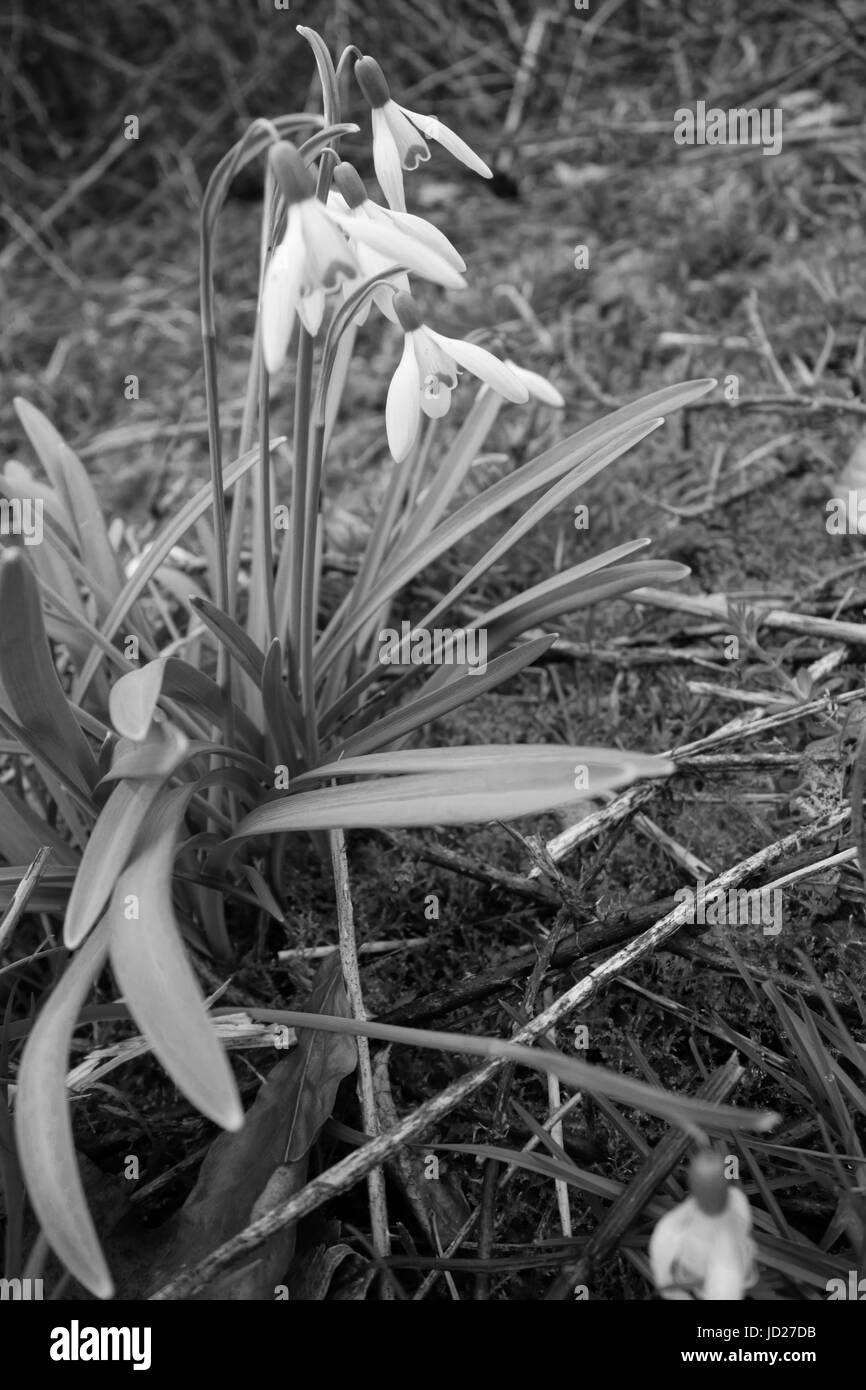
349,52
420,465
266,557
245,439
381,536
309,590
305,508
263,601
219,517
300,446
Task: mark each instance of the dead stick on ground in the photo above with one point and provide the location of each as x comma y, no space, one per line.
812,405
357,1165
716,609
23,893
366,1089
633,798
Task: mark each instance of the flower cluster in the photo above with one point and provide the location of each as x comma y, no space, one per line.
349,240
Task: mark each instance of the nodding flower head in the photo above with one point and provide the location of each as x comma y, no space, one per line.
432,254
314,255
702,1248
400,136
427,375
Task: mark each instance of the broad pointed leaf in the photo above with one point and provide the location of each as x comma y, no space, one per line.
500,782
33,692
43,1130
152,969
107,852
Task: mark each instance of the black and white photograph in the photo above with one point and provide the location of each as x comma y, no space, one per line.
432,702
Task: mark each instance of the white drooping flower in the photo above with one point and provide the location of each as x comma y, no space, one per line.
314,256
349,197
537,386
400,136
702,1248
427,375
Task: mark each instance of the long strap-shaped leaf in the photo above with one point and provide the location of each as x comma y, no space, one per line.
500,782
686,1111
154,974
455,528
107,852
550,606
560,492
192,688
570,581
29,679
431,705
42,1126
70,481
169,536
547,468
23,832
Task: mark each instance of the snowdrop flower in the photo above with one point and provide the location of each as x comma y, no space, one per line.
703,1248
400,136
427,375
314,256
350,197
537,386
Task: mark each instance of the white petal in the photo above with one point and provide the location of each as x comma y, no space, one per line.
403,407
371,261
374,263
433,362
738,1207
336,202
727,1268
401,249
665,1243
281,291
423,231
537,386
435,130
485,366
311,309
329,259
435,397
386,162
371,264
410,146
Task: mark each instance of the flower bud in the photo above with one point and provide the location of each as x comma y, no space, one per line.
348,181
294,179
408,314
708,1183
371,80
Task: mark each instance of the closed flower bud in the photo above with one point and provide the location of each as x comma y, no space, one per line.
348,181
294,179
372,81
